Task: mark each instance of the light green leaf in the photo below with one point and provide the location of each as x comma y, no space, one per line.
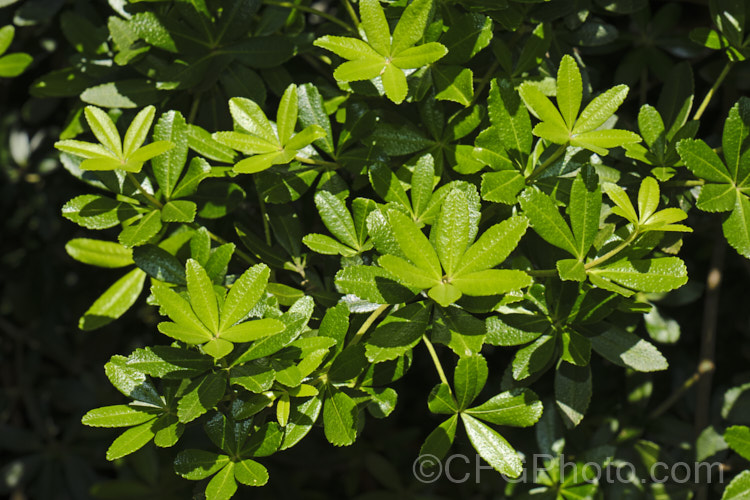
626,349
492,447
703,161
502,186
116,416
509,117
339,417
648,198
411,25
114,301
540,105
130,441
569,90
336,218
104,129
179,211
99,253
422,55
469,379
286,117
142,231
584,209
739,488
305,137
494,246
170,128
734,140
738,438
202,295
373,284
320,243
252,330
361,69
348,48
444,294
407,273
621,199
248,115
491,282
546,220
138,130
516,408
244,294
85,149
394,83
245,143
7,33
177,308
600,109
441,400
375,26
453,83
451,232
737,226
414,243
599,141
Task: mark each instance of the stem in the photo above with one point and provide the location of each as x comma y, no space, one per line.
320,163
436,361
676,395
712,91
194,109
613,252
549,161
367,324
352,14
706,365
264,214
156,203
310,10
687,183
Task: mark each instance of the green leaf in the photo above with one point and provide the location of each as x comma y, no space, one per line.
411,25
169,362
703,161
179,310
394,83
399,332
375,26
546,220
584,210
200,396
453,83
441,400
737,226
336,218
439,441
373,284
739,488
138,130
407,273
339,417
734,140
502,186
469,379
361,69
251,118
540,105
444,294
491,282
320,243
534,357
104,129
116,416
200,141
621,199
131,383
738,438
198,464
569,90
168,166
114,301
312,112
222,486
600,109
516,408
509,117
572,392
422,55
130,441
159,264
414,243
141,231
648,198
302,416
179,211
466,37
252,330
626,349
451,232
286,118
244,294
492,447
494,246
250,473
202,295
99,253
660,274
6,37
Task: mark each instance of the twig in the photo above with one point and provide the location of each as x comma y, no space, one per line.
436,361
367,324
712,91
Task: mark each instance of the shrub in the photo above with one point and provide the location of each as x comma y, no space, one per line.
321,199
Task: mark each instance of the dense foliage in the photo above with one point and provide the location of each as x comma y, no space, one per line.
412,228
